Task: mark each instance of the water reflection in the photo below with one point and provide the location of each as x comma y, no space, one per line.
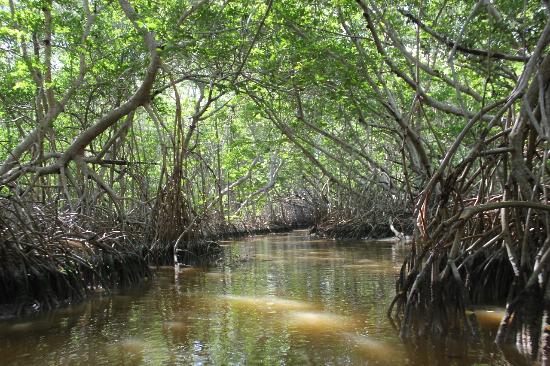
276,300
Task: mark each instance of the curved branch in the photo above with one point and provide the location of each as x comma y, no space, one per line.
472,210
425,98
140,97
451,44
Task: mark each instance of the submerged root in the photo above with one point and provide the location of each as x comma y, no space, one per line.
439,284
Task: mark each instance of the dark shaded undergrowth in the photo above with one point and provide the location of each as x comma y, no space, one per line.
50,258
375,215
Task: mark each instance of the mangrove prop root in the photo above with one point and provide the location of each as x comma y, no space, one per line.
484,237
48,259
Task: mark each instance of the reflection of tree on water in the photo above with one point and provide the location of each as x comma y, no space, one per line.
63,334
259,311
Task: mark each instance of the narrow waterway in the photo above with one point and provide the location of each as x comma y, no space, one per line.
276,300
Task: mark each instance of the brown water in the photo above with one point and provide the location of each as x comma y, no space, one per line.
277,300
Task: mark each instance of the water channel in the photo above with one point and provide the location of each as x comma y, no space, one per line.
275,300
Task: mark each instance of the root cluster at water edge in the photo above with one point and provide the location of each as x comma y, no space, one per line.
49,259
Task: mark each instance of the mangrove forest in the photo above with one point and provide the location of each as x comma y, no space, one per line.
274,182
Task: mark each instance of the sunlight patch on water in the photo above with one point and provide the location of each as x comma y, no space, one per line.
488,318
375,350
266,303
366,261
319,322
322,253
320,259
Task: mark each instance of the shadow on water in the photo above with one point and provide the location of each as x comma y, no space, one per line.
274,300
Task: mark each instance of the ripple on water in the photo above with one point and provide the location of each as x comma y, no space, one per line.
267,257
176,326
131,350
218,275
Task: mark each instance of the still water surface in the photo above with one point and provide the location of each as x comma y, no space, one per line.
276,300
